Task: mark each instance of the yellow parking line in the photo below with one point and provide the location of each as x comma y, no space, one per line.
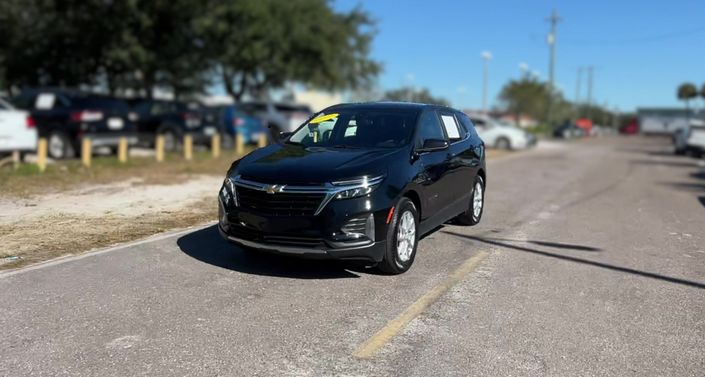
371,346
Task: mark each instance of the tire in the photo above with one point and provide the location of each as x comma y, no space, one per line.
393,262
227,141
59,146
471,216
172,141
503,143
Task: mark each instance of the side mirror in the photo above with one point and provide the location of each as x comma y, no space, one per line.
430,145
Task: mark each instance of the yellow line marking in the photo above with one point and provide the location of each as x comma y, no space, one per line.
376,342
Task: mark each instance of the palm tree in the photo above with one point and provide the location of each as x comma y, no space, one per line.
686,92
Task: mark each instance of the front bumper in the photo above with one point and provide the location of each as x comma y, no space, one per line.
325,235
371,252
111,140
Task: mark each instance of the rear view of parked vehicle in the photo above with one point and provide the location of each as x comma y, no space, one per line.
235,121
17,130
278,117
690,140
173,120
501,135
65,117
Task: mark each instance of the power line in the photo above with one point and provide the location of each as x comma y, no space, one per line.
637,40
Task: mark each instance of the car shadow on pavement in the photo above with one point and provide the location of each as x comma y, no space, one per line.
206,245
607,266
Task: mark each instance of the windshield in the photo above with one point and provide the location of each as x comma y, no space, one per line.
357,128
503,123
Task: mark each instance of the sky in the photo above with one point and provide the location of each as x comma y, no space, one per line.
640,50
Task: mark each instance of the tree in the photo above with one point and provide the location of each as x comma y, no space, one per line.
258,45
409,94
526,96
686,92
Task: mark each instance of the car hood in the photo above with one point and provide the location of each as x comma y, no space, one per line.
295,164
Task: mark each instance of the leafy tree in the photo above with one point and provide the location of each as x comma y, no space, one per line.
526,96
257,45
686,92
409,94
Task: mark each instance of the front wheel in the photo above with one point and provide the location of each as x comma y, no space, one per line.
473,214
402,239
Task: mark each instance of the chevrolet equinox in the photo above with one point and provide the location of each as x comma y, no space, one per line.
357,182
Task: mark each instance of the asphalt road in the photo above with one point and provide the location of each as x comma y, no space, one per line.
591,263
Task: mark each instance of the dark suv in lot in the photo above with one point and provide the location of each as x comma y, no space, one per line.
65,117
173,119
357,182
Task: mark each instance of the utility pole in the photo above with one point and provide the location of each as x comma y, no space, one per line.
553,19
589,98
577,92
486,56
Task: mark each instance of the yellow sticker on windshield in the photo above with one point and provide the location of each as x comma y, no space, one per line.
323,118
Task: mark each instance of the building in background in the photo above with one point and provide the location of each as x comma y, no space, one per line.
655,120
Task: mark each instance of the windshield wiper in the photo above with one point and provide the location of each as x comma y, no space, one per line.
343,146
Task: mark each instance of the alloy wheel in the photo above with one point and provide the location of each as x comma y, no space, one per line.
406,236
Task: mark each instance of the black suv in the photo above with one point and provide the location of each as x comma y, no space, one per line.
173,119
66,116
357,182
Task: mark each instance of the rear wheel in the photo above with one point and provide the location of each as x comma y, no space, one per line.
473,214
59,146
171,140
503,143
402,239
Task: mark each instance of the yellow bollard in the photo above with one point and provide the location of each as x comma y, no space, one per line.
42,154
262,142
239,145
159,148
188,147
215,145
122,150
86,152
16,160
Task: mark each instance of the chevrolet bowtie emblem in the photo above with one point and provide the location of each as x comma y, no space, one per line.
272,189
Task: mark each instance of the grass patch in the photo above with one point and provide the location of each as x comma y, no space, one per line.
53,236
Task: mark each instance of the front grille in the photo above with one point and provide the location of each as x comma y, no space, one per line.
279,204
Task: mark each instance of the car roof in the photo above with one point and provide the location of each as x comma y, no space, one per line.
385,105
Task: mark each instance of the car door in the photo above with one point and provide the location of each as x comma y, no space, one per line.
462,166
432,166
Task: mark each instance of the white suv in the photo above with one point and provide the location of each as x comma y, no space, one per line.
17,131
500,134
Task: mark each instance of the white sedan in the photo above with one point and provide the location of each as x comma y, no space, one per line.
17,130
502,135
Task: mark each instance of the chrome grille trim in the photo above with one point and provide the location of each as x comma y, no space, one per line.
329,189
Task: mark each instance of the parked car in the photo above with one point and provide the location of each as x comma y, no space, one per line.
17,130
66,116
173,120
632,128
357,182
499,134
690,140
278,117
568,130
234,120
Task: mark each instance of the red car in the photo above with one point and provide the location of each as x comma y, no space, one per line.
632,128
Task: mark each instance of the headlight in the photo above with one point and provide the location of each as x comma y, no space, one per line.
227,193
357,187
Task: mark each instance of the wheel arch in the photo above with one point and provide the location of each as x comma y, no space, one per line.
415,198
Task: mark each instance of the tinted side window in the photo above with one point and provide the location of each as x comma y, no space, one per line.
467,124
429,128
